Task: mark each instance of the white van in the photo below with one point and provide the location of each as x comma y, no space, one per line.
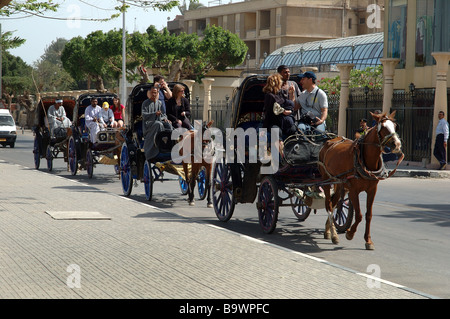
8,133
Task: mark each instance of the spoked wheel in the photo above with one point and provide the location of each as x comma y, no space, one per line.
148,181
36,153
125,171
49,157
202,183
268,204
301,211
183,185
72,156
89,163
222,192
343,215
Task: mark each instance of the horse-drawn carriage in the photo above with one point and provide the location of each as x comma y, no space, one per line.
133,164
296,185
47,145
82,153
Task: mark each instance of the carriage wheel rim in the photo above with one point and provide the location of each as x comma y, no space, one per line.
222,196
72,156
147,179
125,170
267,208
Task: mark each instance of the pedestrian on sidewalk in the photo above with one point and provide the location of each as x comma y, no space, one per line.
440,147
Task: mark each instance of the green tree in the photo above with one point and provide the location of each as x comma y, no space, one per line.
50,75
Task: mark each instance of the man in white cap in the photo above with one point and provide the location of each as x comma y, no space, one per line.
57,116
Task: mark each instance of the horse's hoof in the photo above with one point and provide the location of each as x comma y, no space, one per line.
349,236
335,240
210,205
370,246
191,203
327,235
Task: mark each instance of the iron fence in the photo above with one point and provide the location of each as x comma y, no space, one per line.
220,112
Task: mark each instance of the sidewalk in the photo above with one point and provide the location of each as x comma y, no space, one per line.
64,239
415,169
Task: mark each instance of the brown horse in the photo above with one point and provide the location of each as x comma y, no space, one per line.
357,166
191,170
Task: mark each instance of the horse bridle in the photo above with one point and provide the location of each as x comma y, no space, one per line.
384,141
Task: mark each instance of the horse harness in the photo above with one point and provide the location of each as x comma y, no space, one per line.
360,170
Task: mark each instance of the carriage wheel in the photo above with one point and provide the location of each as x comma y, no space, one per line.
202,183
343,215
183,185
222,192
148,181
72,156
125,171
49,157
89,163
301,211
36,153
268,204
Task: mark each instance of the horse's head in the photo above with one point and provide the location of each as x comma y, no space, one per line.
386,130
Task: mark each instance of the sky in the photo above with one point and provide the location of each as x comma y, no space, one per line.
40,32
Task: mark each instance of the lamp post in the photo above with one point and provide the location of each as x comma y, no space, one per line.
366,92
248,63
301,55
353,51
412,88
320,57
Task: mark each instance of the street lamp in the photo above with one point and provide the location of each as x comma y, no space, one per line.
320,57
301,55
353,52
412,88
248,63
366,92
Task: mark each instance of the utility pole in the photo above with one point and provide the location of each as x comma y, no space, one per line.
124,58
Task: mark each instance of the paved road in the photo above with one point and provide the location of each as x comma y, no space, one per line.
146,252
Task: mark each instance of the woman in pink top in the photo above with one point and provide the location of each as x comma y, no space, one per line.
119,112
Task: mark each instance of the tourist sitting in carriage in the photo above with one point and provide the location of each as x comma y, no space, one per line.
93,119
57,117
154,120
178,108
313,103
278,110
107,115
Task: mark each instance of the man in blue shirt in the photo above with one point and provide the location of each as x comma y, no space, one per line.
441,141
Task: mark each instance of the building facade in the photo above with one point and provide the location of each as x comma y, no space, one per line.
267,25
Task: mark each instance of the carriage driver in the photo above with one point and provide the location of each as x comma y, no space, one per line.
57,116
154,120
313,101
93,119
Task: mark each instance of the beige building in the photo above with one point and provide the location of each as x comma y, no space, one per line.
266,25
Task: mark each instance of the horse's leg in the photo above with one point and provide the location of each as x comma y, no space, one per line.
330,228
370,200
327,192
208,185
191,184
187,179
354,197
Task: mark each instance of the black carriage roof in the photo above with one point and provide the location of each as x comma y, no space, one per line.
46,101
86,97
139,94
248,100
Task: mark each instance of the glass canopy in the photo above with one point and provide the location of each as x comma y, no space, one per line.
363,50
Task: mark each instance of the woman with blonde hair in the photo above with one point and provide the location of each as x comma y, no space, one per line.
278,110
